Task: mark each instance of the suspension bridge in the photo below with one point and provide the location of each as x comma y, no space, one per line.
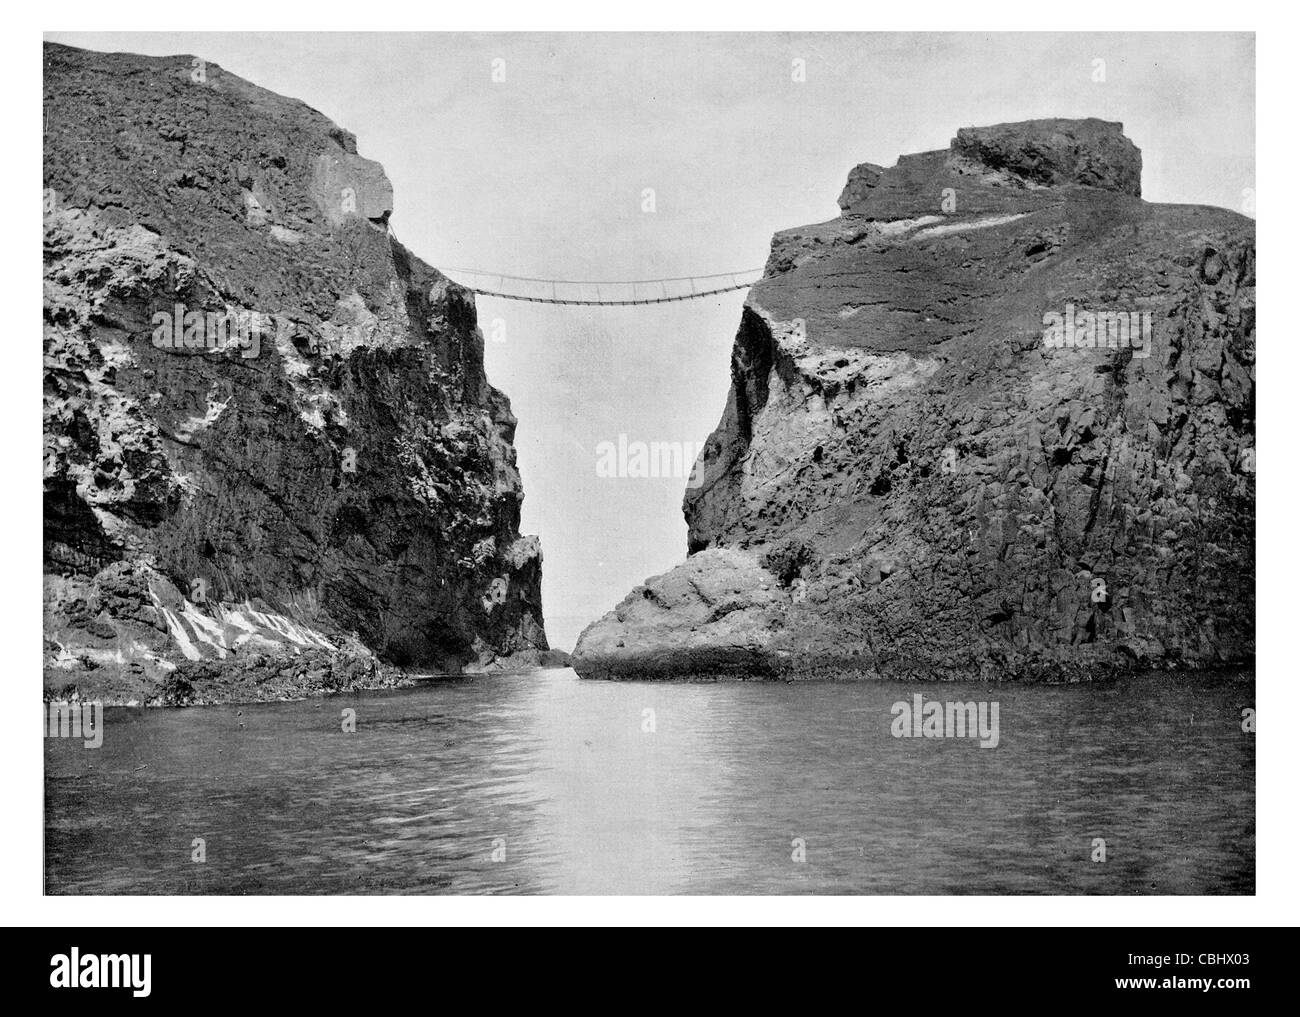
602,292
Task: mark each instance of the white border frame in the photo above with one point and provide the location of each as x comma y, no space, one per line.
21,756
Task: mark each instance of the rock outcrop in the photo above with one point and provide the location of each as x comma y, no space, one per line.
994,421
257,400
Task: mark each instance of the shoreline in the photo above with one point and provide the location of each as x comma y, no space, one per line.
393,680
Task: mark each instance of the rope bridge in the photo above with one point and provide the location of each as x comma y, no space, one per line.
603,292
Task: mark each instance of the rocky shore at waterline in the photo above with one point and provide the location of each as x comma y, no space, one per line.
128,637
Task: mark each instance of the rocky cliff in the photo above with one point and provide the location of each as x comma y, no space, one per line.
995,420
271,450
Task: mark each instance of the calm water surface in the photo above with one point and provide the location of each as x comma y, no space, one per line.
561,781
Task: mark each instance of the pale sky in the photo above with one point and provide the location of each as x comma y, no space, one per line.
542,174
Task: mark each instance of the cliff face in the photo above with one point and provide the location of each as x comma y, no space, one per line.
263,415
996,420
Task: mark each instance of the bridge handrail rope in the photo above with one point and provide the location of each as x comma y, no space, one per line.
604,282
700,286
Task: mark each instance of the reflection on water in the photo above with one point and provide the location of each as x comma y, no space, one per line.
543,783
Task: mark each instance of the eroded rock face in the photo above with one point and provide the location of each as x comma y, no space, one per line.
934,483
1052,152
253,389
129,636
